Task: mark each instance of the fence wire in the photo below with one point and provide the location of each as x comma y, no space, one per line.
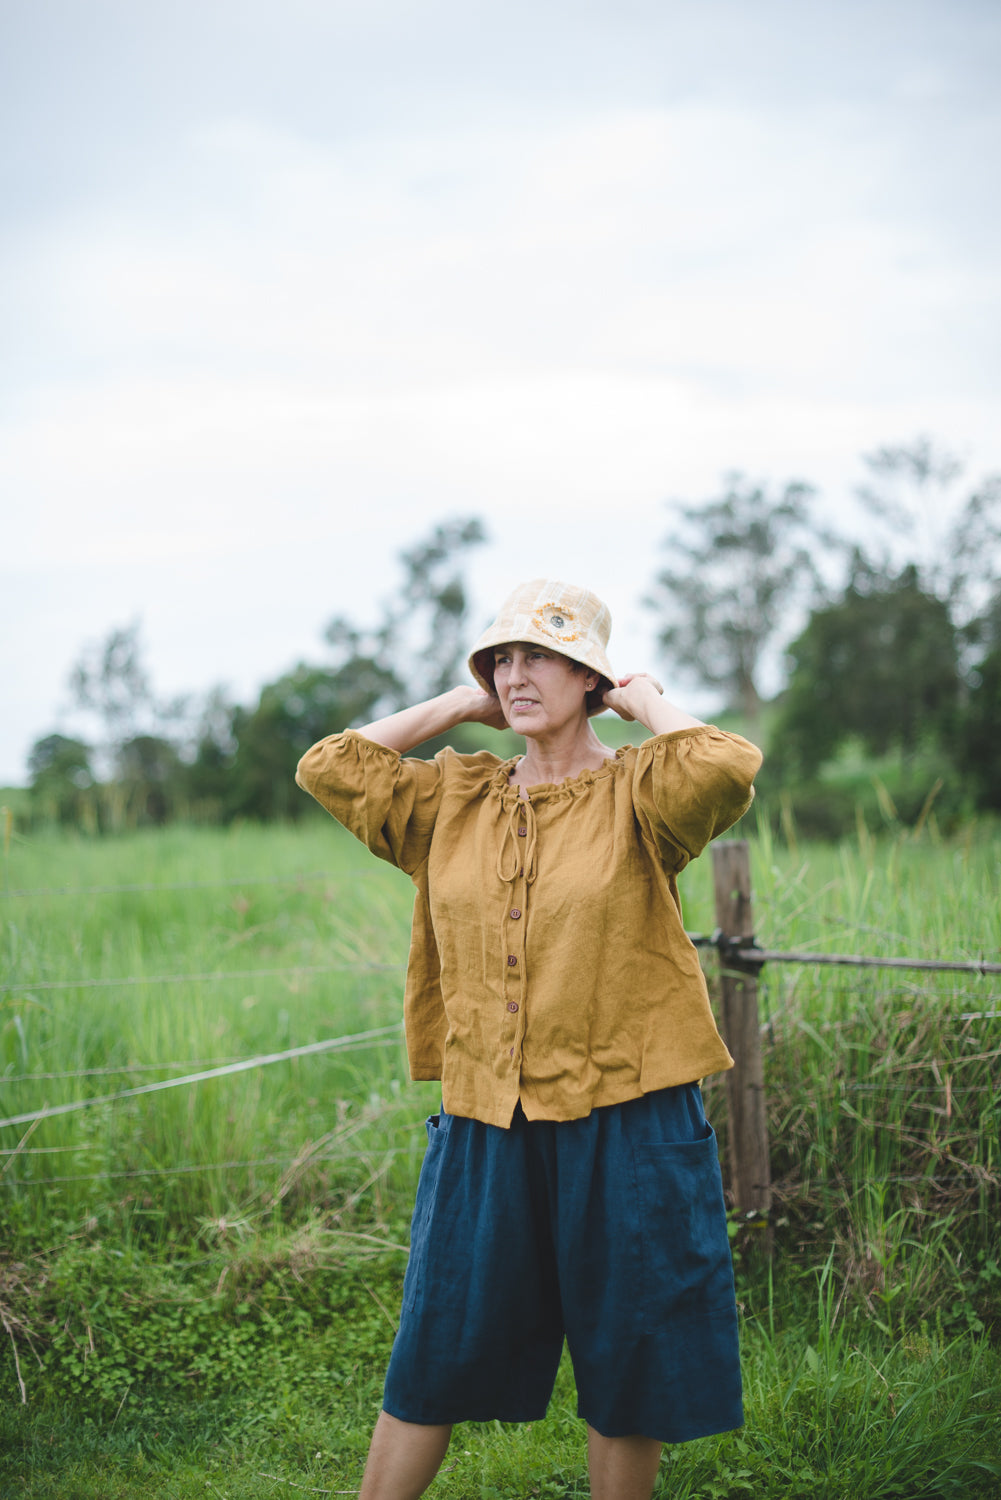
737,951
289,1159
206,978
261,1061
187,885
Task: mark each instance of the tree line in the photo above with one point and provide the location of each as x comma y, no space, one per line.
884,632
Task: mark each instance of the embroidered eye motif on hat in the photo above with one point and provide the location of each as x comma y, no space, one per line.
557,622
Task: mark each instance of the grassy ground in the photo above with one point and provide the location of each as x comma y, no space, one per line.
200,1285
829,1414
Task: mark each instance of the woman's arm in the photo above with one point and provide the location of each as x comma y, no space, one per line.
640,697
412,726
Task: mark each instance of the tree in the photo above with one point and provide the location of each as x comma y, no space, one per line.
151,779
220,760
363,677
60,776
292,714
417,649
208,769
434,593
413,653
953,544
738,566
977,740
110,680
881,666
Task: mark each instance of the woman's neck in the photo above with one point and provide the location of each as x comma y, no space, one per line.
548,760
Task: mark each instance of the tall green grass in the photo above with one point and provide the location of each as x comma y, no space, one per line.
231,909
882,1098
882,1085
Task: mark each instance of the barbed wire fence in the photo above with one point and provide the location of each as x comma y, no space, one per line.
741,961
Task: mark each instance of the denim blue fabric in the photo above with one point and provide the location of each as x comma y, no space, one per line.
608,1230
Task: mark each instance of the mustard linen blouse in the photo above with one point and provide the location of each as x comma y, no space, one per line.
548,960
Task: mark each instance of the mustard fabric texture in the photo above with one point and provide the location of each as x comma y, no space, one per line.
548,959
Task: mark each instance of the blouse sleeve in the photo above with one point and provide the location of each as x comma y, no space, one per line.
690,786
388,802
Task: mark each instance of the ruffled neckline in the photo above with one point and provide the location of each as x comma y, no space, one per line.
543,790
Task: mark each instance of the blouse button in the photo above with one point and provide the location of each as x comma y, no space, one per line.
515,913
522,832
511,960
512,1006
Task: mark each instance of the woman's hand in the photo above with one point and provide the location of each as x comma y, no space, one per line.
618,698
483,708
641,697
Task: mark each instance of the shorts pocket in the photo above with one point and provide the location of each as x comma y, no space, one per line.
423,1216
686,1252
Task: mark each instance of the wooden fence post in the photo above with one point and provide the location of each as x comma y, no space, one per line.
750,1168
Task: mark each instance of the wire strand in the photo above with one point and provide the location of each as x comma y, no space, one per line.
212,1166
262,1061
218,975
185,885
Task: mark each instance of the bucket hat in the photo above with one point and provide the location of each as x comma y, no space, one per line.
563,616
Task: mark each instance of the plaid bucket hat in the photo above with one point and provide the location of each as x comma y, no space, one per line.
564,617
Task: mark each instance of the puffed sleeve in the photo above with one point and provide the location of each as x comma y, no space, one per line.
388,802
690,786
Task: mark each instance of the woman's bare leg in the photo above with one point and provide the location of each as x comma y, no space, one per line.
623,1468
403,1458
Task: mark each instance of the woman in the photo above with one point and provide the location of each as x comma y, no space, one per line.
571,1186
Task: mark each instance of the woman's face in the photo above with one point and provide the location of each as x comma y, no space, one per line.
540,691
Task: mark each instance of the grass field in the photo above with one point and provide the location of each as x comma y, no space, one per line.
198,1285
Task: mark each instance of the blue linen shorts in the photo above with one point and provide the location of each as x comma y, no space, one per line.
609,1231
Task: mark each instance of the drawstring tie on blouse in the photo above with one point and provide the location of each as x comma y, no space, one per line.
505,870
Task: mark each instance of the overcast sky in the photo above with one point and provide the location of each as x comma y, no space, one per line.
283,284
